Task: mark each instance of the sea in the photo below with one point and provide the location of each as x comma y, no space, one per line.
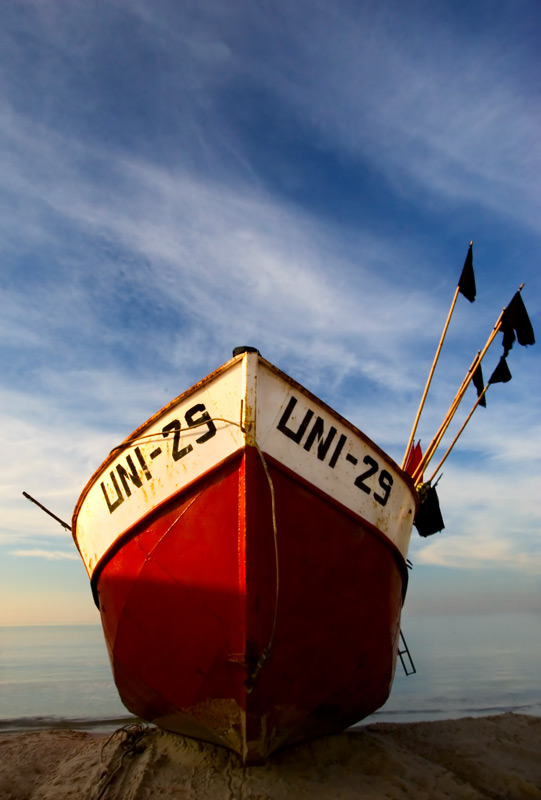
465,665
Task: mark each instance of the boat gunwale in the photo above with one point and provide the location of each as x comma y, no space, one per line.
113,454
161,507
343,421
155,512
196,387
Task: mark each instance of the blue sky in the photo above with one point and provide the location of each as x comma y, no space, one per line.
179,178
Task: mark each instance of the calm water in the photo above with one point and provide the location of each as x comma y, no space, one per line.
50,674
466,666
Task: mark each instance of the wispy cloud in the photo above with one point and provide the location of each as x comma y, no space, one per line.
483,552
206,250
438,108
52,555
485,527
184,178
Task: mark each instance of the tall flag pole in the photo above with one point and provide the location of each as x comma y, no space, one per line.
466,286
501,374
478,402
434,444
515,324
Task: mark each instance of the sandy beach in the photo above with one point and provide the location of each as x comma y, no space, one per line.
490,757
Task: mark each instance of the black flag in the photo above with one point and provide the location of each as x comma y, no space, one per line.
501,374
429,519
466,283
479,384
515,320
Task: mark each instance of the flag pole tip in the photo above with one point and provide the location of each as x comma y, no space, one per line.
471,243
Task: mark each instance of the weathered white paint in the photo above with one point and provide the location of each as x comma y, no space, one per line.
96,527
246,400
394,518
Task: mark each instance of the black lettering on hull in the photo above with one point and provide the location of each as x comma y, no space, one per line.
338,449
130,475
324,440
317,433
143,463
299,433
178,452
119,499
204,418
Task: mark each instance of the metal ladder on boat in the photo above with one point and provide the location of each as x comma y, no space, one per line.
405,656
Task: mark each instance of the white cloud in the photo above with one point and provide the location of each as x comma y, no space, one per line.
52,555
238,266
226,253
130,268
491,516
434,109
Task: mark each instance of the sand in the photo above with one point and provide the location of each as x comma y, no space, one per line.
490,757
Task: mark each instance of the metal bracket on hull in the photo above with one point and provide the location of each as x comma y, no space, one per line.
50,513
405,656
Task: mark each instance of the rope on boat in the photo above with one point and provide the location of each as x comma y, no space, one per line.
250,681
158,435
266,652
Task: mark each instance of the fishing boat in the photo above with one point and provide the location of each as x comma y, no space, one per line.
247,550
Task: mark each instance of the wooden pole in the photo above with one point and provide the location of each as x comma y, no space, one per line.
446,420
470,374
455,440
429,380
456,402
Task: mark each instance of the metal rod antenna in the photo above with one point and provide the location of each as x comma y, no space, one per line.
50,513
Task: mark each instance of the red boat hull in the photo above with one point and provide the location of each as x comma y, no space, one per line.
249,624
